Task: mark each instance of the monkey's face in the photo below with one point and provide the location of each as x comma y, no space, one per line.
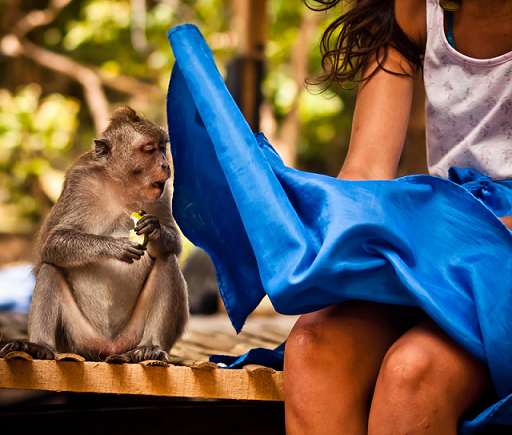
150,167
133,151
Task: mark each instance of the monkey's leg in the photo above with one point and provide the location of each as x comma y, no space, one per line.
55,320
164,306
43,317
45,309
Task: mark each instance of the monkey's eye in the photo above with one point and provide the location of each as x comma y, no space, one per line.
149,148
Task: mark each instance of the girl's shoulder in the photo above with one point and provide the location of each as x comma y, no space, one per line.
411,16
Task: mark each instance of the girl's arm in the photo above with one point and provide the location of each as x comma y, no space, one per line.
383,105
379,124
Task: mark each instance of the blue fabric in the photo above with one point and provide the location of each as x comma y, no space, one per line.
309,241
266,357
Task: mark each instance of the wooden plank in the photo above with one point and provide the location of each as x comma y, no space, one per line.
256,368
172,381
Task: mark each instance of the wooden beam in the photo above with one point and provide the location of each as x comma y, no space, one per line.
250,22
172,381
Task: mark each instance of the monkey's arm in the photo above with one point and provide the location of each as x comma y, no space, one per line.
65,247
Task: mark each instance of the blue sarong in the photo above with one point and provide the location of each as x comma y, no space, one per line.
309,241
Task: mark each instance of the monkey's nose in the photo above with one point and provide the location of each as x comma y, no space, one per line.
167,168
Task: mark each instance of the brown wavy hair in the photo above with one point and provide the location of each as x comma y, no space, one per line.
363,33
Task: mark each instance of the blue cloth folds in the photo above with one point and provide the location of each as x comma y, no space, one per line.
309,241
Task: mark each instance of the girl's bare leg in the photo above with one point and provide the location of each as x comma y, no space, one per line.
332,360
426,383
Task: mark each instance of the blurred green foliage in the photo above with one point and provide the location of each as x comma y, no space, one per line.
34,131
325,117
45,121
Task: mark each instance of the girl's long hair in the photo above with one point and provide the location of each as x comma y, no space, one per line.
363,33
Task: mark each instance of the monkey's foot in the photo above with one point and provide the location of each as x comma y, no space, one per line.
117,359
145,353
37,351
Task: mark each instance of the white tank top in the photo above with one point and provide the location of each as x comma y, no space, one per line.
468,106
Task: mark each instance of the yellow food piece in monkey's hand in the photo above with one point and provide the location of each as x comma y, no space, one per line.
134,237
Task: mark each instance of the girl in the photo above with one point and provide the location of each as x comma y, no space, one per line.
361,367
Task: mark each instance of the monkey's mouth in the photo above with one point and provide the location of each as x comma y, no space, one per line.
159,185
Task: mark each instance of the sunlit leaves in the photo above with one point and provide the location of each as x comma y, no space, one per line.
281,89
161,15
313,106
102,21
52,36
33,132
30,124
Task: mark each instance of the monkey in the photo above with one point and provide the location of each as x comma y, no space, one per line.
99,294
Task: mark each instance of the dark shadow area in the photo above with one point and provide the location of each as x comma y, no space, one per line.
62,413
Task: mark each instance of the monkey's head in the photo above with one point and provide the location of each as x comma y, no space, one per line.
133,151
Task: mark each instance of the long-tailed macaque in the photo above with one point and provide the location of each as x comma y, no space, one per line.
97,293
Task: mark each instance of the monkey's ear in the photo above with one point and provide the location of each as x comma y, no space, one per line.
102,148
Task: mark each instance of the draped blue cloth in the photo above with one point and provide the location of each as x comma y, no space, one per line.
309,241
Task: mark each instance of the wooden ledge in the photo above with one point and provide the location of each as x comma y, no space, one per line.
172,381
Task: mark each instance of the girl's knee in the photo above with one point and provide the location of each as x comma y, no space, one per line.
307,339
406,368
318,348
402,402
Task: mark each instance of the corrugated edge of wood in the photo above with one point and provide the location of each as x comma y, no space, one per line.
171,381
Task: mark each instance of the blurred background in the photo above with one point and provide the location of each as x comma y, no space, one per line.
64,64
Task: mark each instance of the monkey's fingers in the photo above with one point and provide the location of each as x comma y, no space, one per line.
147,224
135,252
128,251
147,217
9,347
35,350
154,234
145,353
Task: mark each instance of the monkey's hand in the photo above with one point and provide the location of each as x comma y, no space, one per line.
127,251
150,225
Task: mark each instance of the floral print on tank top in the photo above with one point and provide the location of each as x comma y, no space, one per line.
468,106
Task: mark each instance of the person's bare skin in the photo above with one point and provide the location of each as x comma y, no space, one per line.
360,367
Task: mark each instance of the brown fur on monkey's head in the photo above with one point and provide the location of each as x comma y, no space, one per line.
126,120
125,115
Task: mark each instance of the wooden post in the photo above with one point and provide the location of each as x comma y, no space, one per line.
245,72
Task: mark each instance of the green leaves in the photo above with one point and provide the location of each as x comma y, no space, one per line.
102,23
34,131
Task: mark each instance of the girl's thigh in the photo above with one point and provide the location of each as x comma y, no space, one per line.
332,360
